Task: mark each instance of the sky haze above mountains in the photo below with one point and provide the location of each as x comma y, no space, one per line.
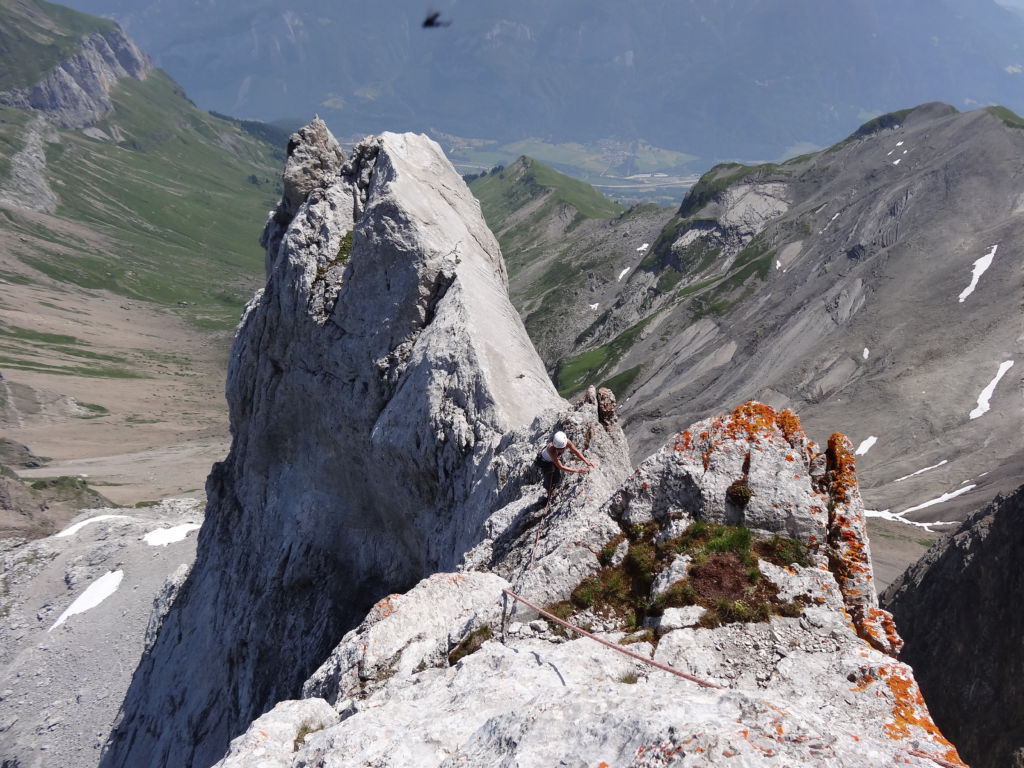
719,79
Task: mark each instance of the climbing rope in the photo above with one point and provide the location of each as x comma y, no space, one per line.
518,582
611,645
936,760
666,668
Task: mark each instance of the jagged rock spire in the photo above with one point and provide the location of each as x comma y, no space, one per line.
384,401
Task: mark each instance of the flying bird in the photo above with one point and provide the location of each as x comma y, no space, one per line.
433,20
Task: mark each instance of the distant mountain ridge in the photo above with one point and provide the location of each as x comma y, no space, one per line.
831,284
564,244
730,79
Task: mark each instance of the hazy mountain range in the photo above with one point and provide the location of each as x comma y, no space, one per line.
729,79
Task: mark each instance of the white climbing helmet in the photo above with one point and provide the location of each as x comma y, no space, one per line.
560,440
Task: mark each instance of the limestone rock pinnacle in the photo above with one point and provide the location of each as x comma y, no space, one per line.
386,406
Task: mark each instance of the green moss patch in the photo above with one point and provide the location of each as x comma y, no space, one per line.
724,577
304,730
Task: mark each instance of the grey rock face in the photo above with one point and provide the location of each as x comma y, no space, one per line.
790,284
26,185
752,467
430,677
61,684
959,611
314,160
76,94
404,634
272,739
385,403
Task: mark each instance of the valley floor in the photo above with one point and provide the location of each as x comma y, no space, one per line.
121,391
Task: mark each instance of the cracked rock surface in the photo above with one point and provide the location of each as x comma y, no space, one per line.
434,677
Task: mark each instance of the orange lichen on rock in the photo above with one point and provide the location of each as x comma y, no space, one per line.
842,467
683,441
790,425
383,607
909,710
849,555
753,419
752,422
880,625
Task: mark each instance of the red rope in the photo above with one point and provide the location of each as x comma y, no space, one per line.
936,760
666,668
613,646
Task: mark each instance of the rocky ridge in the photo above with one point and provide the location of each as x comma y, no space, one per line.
842,284
450,674
567,248
968,661
76,93
385,404
386,407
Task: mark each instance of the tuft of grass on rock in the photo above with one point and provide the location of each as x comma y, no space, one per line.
471,643
304,730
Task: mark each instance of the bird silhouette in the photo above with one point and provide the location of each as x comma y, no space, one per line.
433,20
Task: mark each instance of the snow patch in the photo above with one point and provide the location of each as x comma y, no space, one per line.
980,266
865,353
943,498
94,594
643,247
921,471
987,392
897,517
829,223
161,537
622,274
865,445
72,530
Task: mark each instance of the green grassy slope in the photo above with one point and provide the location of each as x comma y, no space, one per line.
166,209
522,201
182,194
553,231
502,193
531,208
